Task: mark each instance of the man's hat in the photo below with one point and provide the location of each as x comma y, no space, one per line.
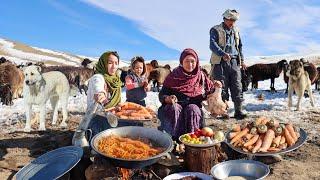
231,14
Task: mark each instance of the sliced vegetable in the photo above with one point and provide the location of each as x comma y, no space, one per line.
273,123
262,128
278,130
253,131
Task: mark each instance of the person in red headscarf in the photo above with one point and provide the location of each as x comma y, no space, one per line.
181,95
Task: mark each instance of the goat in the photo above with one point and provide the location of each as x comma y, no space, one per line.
260,72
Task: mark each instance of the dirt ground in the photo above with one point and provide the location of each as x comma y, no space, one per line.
18,148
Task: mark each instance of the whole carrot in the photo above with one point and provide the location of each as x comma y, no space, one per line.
253,140
283,140
293,134
257,145
267,141
288,137
240,135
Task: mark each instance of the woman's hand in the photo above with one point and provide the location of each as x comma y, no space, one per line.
217,84
171,99
143,84
147,88
100,97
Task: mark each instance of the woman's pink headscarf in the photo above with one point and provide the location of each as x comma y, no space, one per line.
190,84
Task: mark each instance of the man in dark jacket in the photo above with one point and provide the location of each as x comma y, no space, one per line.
227,58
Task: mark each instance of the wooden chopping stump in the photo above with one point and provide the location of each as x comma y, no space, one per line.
200,159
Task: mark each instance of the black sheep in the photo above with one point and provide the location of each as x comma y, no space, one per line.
260,72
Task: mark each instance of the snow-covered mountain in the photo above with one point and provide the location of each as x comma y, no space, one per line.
21,53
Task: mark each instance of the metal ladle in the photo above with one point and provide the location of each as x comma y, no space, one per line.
79,138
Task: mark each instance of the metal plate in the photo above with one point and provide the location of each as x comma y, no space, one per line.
51,165
302,139
186,174
199,145
157,137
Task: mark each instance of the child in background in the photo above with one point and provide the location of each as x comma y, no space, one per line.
136,82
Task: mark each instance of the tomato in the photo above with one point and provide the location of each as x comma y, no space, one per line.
199,132
193,136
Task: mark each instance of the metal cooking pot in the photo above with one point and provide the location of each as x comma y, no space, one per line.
157,137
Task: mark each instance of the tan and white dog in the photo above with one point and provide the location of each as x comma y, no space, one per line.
38,88
299,81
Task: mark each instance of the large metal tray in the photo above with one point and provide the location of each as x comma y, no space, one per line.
159,138
302,139
51,165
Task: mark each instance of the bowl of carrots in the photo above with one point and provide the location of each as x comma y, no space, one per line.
132,111
265,136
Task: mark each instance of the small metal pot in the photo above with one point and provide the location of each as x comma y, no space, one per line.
245,168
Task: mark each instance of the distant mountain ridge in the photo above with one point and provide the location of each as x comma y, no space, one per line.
20,53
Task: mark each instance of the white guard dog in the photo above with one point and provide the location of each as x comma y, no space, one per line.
38,88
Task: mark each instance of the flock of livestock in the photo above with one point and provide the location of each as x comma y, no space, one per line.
12,78
260,72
